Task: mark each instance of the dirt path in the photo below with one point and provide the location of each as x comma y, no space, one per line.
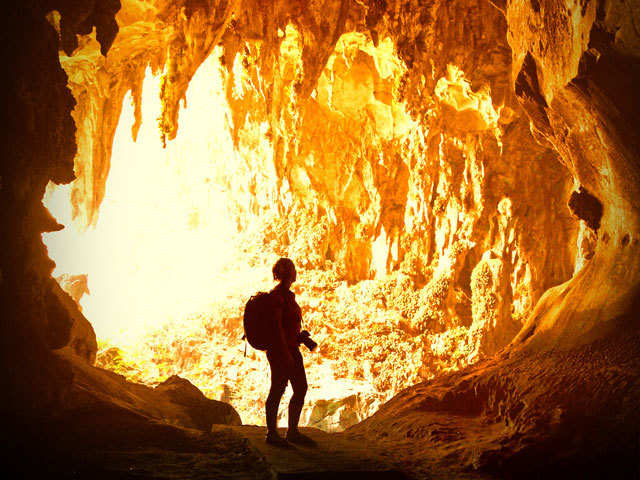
333,457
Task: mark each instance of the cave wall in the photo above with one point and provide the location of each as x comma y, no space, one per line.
395,145
576,83
39,146
570,67
375,192
544,58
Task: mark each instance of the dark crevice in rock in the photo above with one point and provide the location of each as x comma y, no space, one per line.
535,5
625,240
527,90
586,207
526,85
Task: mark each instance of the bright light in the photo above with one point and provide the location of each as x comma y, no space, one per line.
170,265
164,233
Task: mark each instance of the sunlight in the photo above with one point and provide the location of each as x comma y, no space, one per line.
164,232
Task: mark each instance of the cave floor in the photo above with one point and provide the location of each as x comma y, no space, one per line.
333,456
561,414
151,450
112,429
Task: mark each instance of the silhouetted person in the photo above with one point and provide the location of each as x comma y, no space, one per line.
285,359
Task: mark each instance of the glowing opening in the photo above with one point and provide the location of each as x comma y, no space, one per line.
164,235
186,234
169,268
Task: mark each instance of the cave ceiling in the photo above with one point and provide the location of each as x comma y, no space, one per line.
441,140
485,154
476,106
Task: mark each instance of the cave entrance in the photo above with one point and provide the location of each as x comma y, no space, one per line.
164,238
179,246
412,242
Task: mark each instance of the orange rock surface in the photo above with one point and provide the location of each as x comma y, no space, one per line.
458,182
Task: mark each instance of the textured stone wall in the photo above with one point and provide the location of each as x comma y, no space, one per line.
575,82
389,148
38,147
472,207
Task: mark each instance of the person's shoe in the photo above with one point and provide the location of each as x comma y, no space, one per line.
273,438
294,436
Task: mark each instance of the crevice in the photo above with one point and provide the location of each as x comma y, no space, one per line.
527,90
587,207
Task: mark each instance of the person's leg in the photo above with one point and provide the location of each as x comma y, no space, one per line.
279,380
299,384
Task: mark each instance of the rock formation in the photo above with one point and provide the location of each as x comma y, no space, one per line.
420,183
438,140
39,146
61,307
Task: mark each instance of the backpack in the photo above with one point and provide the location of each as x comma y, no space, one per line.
258,320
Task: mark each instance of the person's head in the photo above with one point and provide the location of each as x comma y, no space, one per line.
284,271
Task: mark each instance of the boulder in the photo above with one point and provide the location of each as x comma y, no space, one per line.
203,411
75,285
336,414
63,310
175,402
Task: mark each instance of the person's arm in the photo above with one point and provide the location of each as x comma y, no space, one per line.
281,339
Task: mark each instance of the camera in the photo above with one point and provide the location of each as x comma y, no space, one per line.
304,337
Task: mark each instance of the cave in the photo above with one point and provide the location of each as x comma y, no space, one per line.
457,182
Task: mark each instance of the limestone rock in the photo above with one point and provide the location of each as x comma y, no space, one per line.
176,401
493,325
336,415
422,172
526,414
82,337
75,285
203,410
562,83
